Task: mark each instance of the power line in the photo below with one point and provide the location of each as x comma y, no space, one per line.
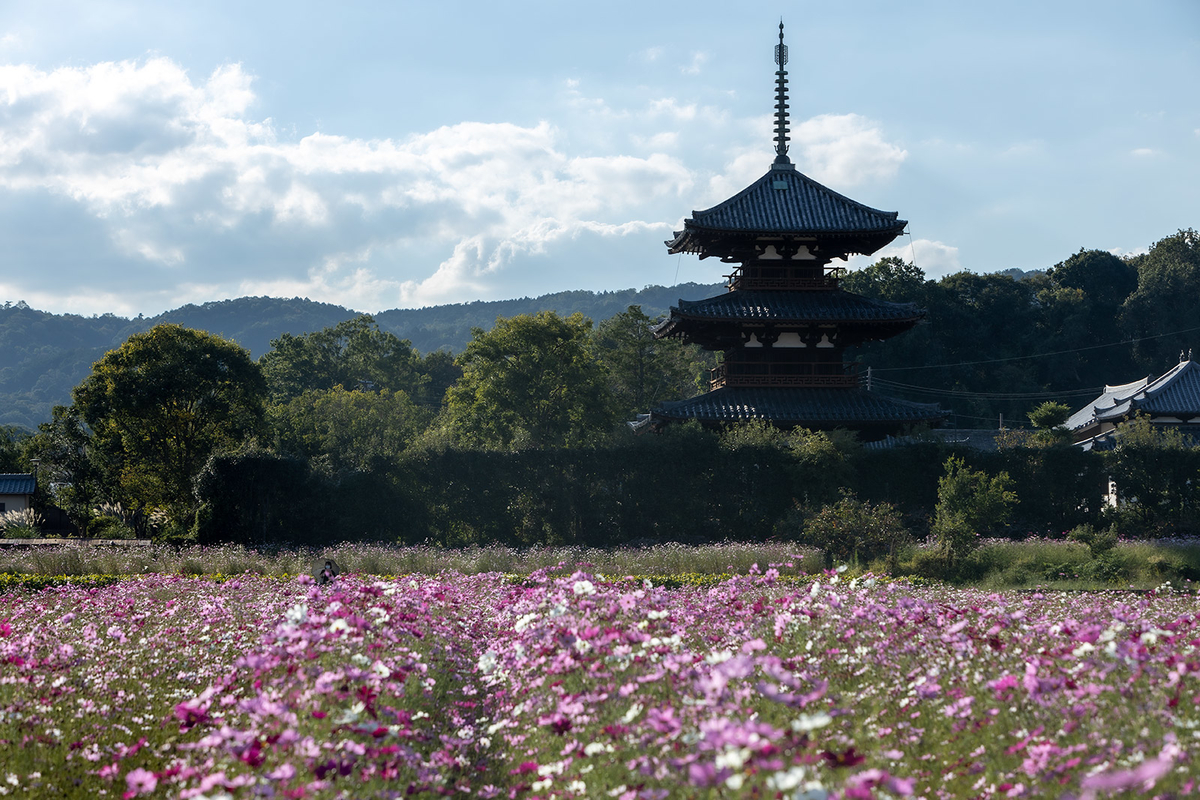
983,395
1041,355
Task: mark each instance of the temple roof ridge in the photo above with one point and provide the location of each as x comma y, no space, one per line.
1174,393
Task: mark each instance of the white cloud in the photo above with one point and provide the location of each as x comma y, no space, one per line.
936,259
1026,149
160,188
1121,252
669,106
845,150
663,140
746,167
1144,152
182,178
699,58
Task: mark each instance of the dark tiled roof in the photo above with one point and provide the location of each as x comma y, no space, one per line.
799,406
801,207
815,306
16,484
1175,393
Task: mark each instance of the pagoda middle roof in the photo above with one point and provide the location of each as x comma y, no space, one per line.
811,407
786,202
776,305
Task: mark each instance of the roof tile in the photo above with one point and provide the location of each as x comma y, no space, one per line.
17,483
813,306
799,406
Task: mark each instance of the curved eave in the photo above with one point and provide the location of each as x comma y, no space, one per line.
799,406
784,309
785,202
719,243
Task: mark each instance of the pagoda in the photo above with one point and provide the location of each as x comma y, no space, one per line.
784,324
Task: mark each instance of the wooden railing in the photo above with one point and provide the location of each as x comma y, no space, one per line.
785,373
738,282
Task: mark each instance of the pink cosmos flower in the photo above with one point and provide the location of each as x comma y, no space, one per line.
140,781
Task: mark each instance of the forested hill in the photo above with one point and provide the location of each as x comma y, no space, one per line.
45,355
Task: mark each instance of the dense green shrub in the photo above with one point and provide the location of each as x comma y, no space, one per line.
970,504
1157,475
254,496
1098,542
110,527
853,530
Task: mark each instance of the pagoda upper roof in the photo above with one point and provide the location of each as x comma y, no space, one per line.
1175,393
777,305
807,407
785,202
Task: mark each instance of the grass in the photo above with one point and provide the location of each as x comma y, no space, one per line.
374,559
1063,565
995,565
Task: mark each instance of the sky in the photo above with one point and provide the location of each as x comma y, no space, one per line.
400,154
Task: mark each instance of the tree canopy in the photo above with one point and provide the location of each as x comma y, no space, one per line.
644,371
160,404
531,381
339,430
355,353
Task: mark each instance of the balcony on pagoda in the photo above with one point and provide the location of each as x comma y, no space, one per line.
802,373
774,275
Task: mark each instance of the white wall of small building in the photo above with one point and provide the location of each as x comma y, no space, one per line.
14,502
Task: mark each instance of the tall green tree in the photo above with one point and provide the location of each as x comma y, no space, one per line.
643,371
890,278
531,381
439,372
970,504
1167,300
12,443
338,430
157,407
355,353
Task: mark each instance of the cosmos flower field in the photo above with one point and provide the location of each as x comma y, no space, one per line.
577,685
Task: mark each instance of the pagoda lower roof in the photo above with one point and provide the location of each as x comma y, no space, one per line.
776,306
785,202
804,407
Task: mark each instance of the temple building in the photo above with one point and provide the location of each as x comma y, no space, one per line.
784,324
1172,400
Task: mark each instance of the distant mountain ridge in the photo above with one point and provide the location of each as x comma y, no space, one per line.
45,355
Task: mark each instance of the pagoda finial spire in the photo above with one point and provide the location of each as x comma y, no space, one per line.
781,106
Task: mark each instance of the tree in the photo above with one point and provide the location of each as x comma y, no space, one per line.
855,530
156,408
1167,300
255,496
643,371
12,442
1049,419
970,504
1102,277
531,381
890,278
440,373
1156,472
355,353
345,430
